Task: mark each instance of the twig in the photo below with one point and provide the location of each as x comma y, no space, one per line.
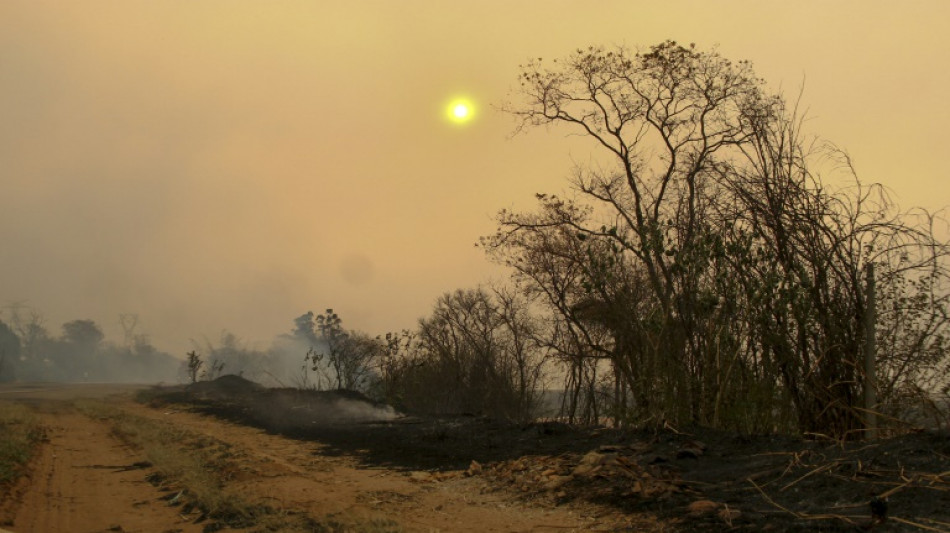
820,436
945,524
897,488
667,425
769,472
850,505
936,478
921,526
809,474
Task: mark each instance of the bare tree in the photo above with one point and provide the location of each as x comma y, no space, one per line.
27,323
702,256
194,364
9,353
128,322
344,358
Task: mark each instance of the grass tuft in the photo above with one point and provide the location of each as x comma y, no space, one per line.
20,432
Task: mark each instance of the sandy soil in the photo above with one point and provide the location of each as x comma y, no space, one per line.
295,475
84,480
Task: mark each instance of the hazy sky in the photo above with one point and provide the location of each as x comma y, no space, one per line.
232,164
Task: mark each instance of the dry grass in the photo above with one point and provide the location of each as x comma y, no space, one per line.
193,467
20,432
196,469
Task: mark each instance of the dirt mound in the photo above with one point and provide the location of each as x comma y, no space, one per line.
227,385
608,472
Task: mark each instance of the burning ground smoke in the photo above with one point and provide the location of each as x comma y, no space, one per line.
288,409
360,411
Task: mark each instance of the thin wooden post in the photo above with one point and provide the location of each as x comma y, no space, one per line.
870,379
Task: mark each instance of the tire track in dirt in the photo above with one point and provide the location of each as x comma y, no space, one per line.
84,480
292,476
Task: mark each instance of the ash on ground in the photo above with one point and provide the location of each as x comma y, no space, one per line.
691,478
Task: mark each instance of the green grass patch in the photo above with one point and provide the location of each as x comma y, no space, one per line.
20,433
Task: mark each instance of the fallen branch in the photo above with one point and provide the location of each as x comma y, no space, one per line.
801,516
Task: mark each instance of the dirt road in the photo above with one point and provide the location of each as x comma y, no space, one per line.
86,480
273,461
82,479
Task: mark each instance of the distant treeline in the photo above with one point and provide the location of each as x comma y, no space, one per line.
29,352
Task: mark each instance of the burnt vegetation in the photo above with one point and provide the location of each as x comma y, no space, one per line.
709,268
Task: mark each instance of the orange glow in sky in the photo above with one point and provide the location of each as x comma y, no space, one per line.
231,165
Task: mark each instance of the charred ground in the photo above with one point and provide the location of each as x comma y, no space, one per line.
693,477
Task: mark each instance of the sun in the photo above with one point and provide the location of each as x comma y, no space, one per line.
460,110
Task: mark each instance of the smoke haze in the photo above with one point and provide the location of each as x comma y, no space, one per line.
229,165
